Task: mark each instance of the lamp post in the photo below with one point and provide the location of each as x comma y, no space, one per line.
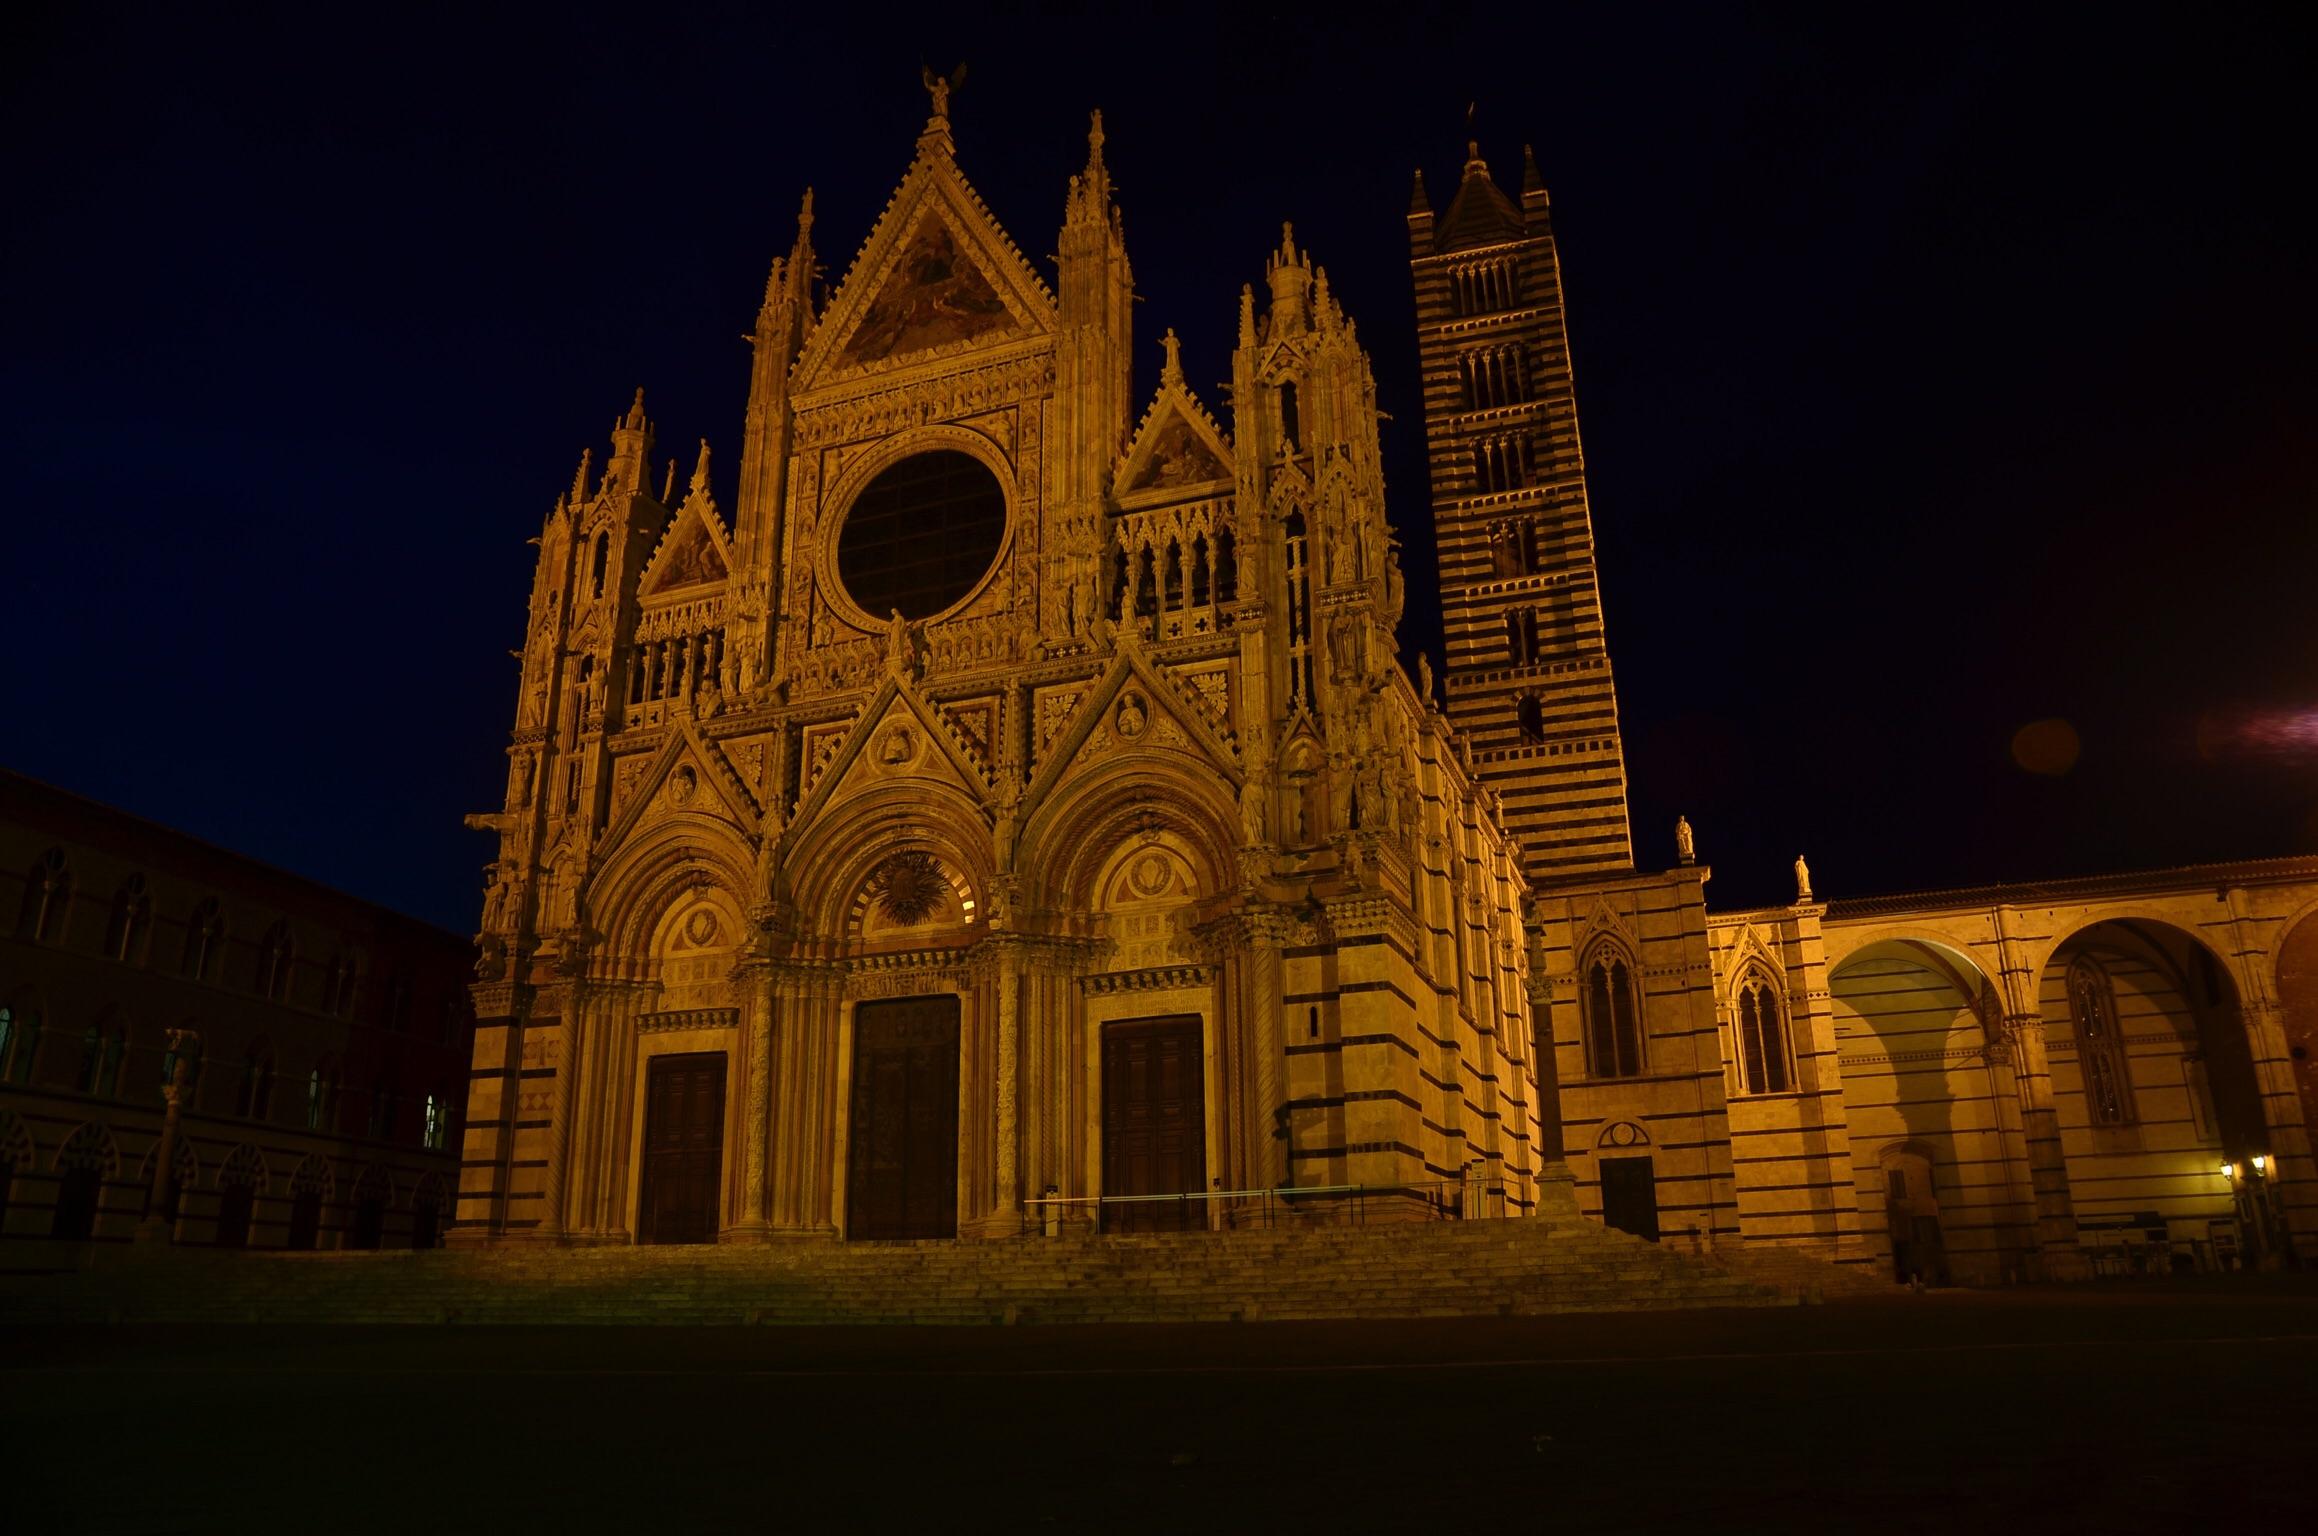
157,1227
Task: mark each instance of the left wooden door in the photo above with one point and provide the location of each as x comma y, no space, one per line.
683,1149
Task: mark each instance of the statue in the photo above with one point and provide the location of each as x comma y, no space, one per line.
897,645
1802,880
939,89
1685,845
1424,680
1251,810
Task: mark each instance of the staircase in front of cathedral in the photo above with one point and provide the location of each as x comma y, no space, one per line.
1477,1268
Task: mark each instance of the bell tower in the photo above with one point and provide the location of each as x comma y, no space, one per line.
1527,671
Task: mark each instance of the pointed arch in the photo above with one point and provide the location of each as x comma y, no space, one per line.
85,1163
1609,1008
47,904
1765,1044
132,921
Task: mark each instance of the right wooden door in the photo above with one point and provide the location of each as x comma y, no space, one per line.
1154,1123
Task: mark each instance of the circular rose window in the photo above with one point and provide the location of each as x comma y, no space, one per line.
921,535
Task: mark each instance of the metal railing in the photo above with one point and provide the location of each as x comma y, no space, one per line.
1244,1209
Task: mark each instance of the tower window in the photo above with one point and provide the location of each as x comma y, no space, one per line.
1529,716
603,562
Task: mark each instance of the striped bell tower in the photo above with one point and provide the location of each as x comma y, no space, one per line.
1527,671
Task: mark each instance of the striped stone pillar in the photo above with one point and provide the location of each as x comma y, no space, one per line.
2057,1254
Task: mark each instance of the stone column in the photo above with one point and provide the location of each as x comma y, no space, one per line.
757,1016
569,1034
2056,1222
1267,1157
1006,1215
1557,1187
2291,1183
156,1227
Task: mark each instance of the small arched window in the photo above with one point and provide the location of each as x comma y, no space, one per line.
1613,1026
274,961
341,998
47,899
204,937
1529,715
100,1060
1764,1066
437,1127
19,1043
132,920
2100,1044
1291,429
257,1081
322,1097
603,562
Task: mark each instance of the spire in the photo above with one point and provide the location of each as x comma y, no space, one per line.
668,483
1171,359
1531,180
631,452
699,491
1247,314
1420,206
1480,213
579,482
1090,189
1290,280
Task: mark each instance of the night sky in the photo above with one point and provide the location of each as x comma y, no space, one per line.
1936,377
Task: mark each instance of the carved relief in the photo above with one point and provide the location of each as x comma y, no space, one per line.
933,296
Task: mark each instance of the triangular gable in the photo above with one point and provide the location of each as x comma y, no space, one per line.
1178,449
1106,719
899,735
692,553
937,274
712,787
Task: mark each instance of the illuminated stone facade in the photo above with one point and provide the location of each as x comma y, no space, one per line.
1017,795
1018,792
2004,1083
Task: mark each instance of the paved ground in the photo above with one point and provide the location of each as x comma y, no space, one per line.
2067,1410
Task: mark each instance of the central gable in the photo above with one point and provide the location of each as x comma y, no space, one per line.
932,296
937,275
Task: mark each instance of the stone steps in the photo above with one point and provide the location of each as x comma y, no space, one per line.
1513,1267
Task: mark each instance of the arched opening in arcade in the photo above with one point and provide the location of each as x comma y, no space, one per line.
1933,1115
2156,1099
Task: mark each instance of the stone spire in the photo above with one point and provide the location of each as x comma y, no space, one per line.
631,450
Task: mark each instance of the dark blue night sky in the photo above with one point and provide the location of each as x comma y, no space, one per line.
1936,376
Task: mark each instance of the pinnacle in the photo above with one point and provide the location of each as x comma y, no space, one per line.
1419,204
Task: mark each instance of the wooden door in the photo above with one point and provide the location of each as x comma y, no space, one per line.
683,1149
1630,1196
902,1169
1154,1123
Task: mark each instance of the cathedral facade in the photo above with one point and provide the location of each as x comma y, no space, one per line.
1015,797
1013,811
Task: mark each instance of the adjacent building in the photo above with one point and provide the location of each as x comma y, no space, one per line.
318,1044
